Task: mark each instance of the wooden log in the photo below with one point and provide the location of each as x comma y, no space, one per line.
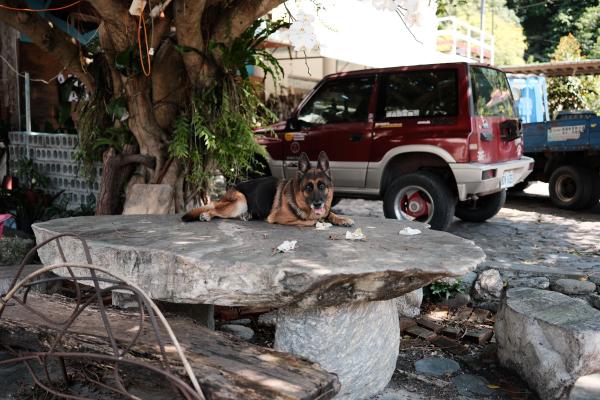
226,367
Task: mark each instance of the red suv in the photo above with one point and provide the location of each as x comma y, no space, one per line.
433,141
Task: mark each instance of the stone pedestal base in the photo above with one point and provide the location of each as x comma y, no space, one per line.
359,342
203,314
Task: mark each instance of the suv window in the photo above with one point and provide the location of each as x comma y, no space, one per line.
418,94
491,93
339,101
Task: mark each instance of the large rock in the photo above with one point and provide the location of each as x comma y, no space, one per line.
232,263
550,339
149,199
573,286
409,305
489,285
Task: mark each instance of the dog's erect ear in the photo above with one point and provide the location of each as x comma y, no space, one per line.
303,163
323,163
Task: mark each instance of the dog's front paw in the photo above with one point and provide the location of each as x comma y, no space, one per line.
340,221
343,221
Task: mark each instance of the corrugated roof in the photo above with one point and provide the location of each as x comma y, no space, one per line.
563,68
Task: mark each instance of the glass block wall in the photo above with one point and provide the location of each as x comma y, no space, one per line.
54,156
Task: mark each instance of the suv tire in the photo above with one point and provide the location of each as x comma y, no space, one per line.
420,196
482,209
571,187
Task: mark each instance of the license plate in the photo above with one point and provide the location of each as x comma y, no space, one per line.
508,180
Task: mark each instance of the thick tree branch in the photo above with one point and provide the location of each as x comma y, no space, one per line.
121,26
239,15
51,40
147,161
188,17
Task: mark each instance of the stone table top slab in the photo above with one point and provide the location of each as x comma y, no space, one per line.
231,262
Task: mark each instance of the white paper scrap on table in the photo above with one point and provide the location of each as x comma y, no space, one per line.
286,246
408,231
356,235
323,226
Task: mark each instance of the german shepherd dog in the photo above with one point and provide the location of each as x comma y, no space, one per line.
301,201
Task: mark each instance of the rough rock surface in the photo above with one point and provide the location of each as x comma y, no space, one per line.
573,286
149,199
594,300
268,319
322,335
243,332
231,262
549,338
537,282
488,285
437,366
409,305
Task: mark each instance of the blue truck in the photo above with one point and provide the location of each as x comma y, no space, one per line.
566,150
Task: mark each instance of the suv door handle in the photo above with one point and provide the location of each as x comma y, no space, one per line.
355,137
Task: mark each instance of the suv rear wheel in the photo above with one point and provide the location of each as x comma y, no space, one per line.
571,187
481,209
420,196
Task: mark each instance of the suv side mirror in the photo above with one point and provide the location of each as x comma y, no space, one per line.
293,124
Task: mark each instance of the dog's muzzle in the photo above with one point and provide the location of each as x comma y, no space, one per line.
318,208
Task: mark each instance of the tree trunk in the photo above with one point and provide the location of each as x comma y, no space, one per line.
117,169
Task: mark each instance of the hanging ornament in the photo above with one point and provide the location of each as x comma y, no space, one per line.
61,78
73,97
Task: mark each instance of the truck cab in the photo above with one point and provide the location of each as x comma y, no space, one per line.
432,141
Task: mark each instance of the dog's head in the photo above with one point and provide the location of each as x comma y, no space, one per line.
313,186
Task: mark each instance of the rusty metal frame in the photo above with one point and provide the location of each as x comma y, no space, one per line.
18,293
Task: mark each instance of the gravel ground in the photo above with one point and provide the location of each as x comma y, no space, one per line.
529,230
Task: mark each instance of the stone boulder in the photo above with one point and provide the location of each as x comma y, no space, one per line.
537,282
409,305
574,286
548,338
488,286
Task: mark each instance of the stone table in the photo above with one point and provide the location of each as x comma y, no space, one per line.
335,297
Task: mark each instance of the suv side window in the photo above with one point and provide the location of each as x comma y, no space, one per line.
339,101
418,94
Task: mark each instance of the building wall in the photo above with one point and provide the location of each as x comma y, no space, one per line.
301,74
9,84
45,98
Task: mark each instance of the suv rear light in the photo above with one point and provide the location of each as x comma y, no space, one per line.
474,141
488,174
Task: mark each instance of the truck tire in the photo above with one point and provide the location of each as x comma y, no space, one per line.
420,196
481,209
571,187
